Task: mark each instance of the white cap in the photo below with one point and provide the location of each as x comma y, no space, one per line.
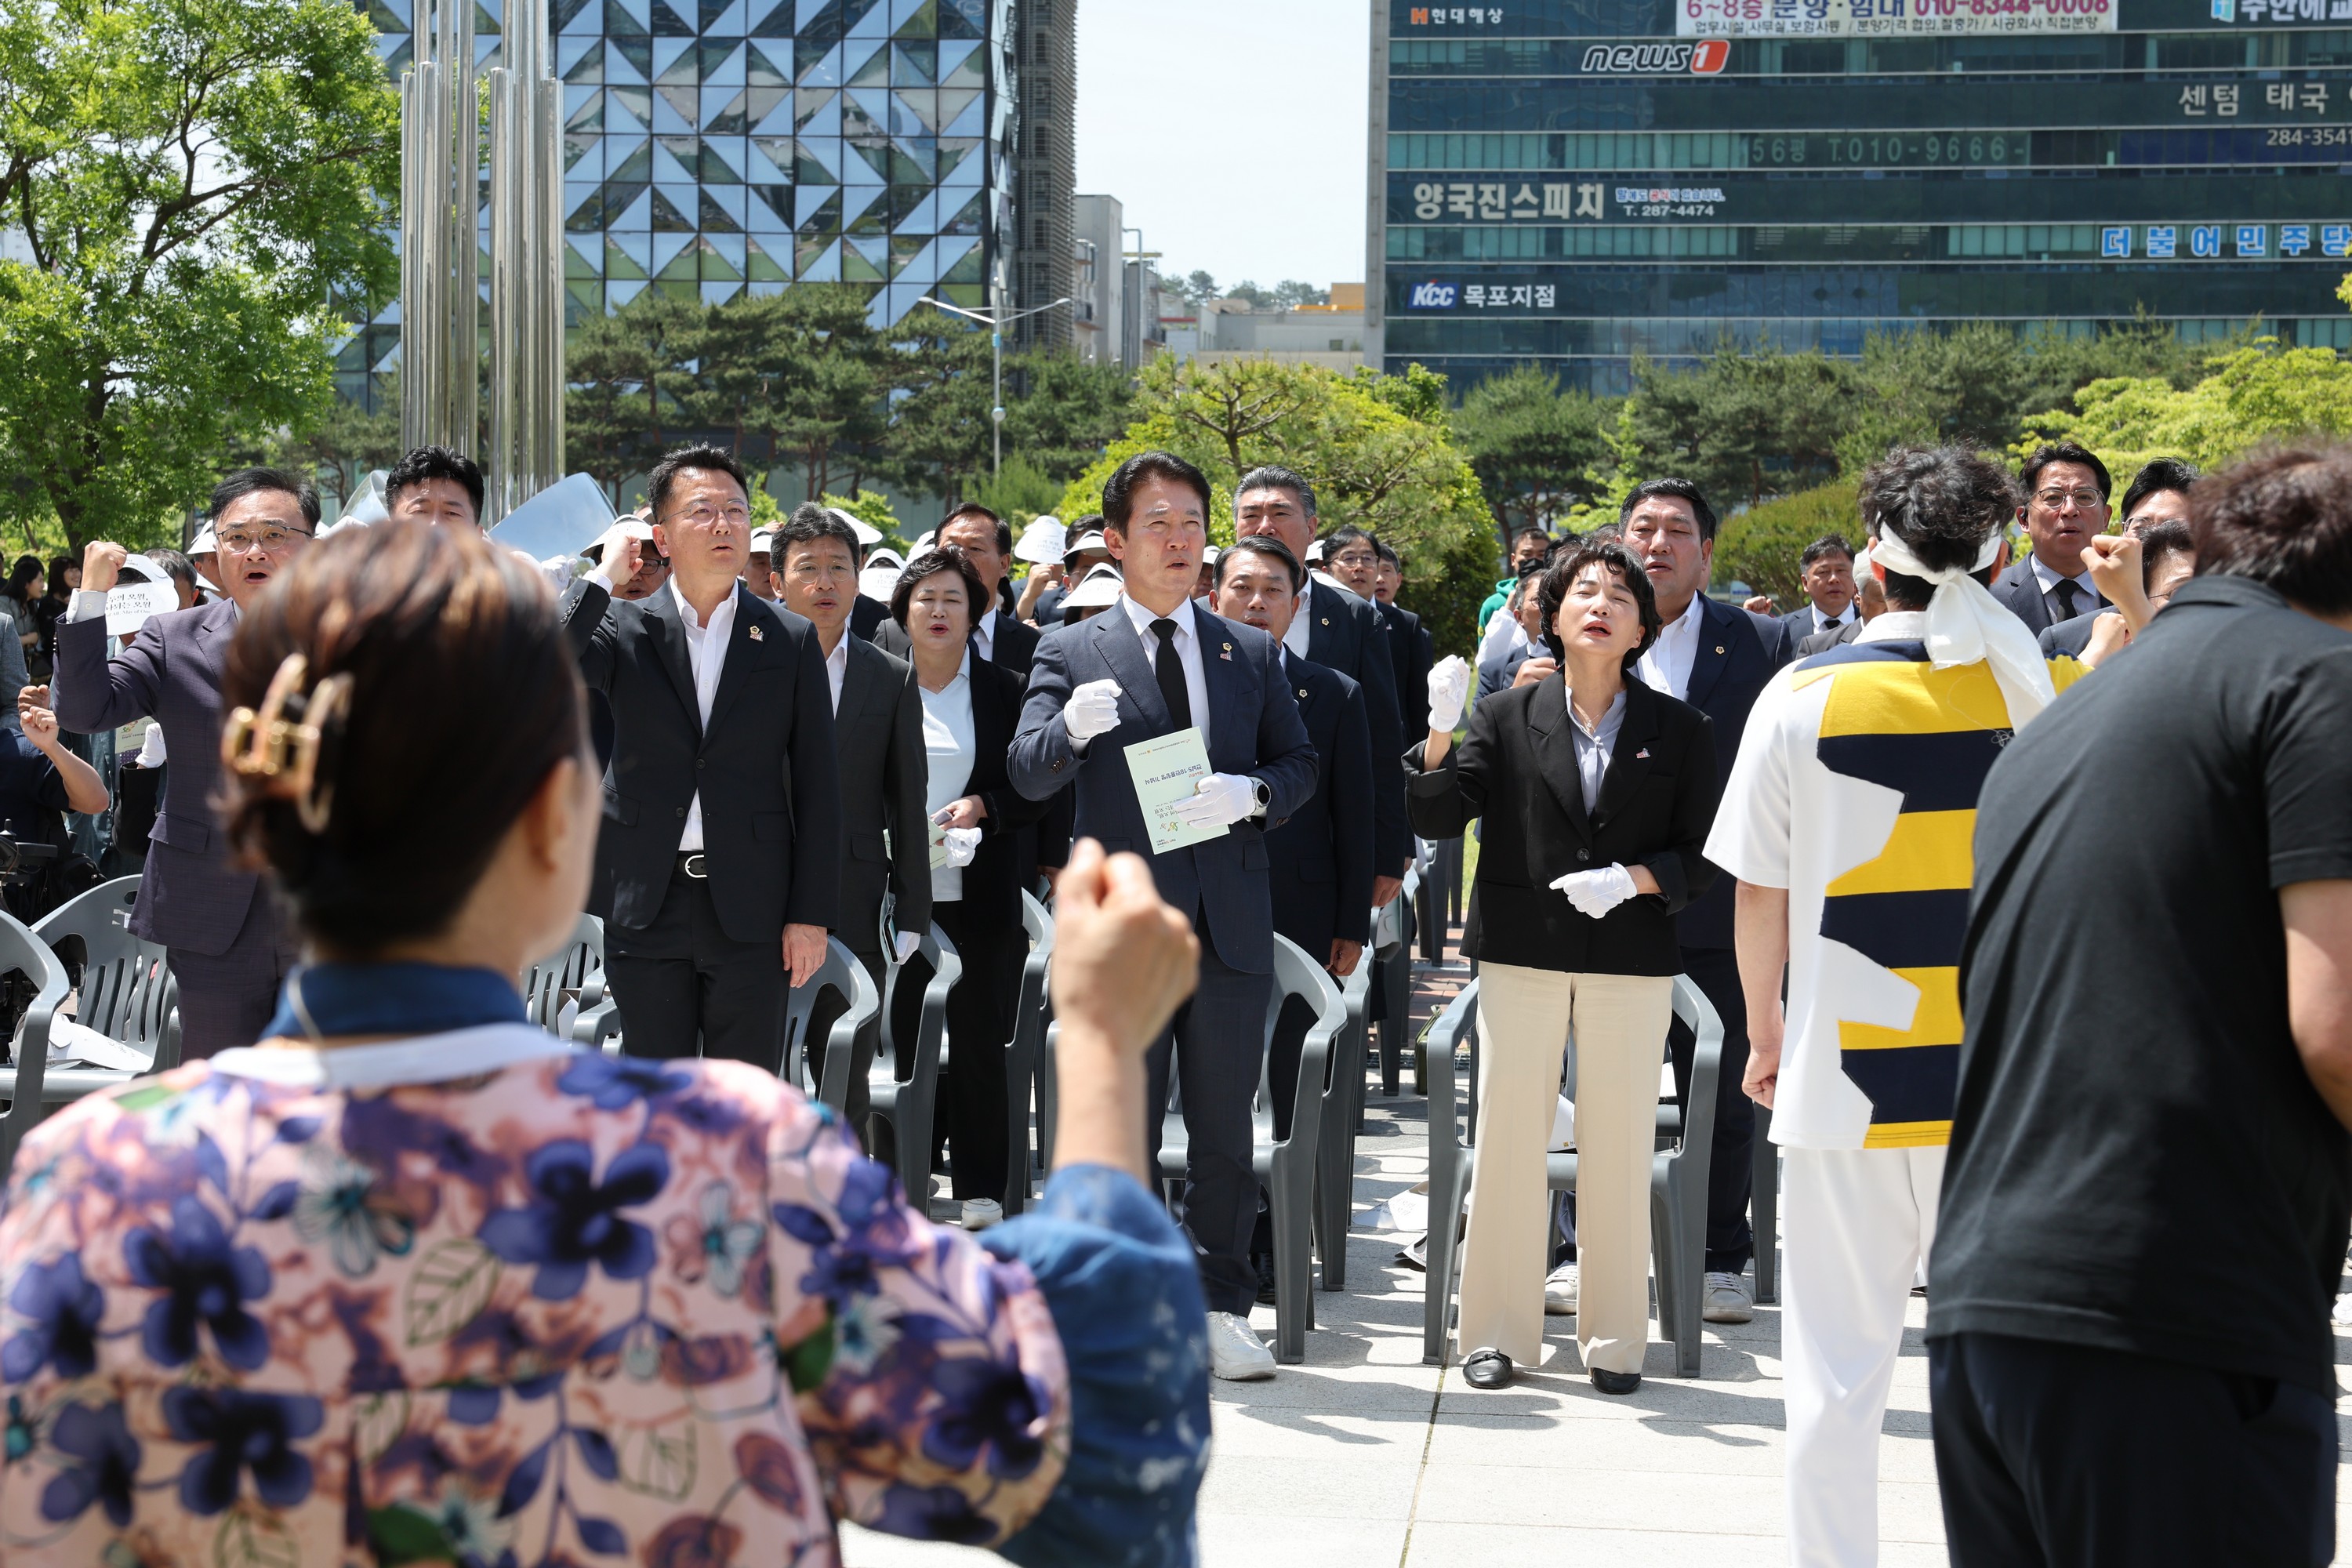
1208,556
881,574
1043,542
1092,539
763,539
1098,589
1315,554
867,534
203,543
926,541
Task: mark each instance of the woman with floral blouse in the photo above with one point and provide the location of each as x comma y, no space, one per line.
410,1281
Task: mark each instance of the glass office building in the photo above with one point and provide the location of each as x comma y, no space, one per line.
715,146
1577,182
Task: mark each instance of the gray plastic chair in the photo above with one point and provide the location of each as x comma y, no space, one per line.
1392,953
1285,1169
575,971
29,1085
1030,1015
904,1084
1677,1179
126,990
861,1002
1343,1116
1765,1206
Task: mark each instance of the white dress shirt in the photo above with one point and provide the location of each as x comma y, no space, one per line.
1667,666
706,653
949,746
1188,653
2087,600
984,634
1823,623
837,667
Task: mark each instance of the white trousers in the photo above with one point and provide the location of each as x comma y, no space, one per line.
1855,1225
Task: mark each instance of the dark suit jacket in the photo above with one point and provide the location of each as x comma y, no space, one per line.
1413,650
1322,854
1014,646
772,822
1800,622
2069,638
1497,673
878,740
1254,728
867,616
190,895
2021,591
992,882
1048,608
1346,633
1516,772
1822,642
1737,652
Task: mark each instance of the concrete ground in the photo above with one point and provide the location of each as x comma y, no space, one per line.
1363,1458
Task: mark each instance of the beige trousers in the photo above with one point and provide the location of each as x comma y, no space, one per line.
1524,1019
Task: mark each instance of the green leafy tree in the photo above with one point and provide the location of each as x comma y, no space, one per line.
1759,546
194,180
1529,444
869,507
2254,394
1372,465
632,384
1018,492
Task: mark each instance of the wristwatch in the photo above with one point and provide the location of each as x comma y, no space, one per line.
1265,795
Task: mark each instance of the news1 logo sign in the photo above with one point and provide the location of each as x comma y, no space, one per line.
1433,297
1705,58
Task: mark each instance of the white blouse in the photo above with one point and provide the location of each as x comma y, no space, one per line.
948,747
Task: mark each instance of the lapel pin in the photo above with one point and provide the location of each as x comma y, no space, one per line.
1327,620
1229,648
1642,754
1302,694
758,636
1719,648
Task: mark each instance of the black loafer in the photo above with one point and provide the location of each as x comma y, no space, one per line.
1487,1369
1616,1382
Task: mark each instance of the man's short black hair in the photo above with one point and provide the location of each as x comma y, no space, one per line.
1681,489
1564,567
962,510
2170,538
2029,478
1827,545
2161,475
2283,517
176,567
1275,477
1529,531
713,459
931,564
1119,491
1943,502
809,521
419,464
1344,535
248,481
1387,551
1263,544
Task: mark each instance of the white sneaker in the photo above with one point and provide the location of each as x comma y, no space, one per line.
979,1214
1236,1352
1727,1298
1560,1292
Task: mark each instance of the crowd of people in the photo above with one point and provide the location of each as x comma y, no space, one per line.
1846,824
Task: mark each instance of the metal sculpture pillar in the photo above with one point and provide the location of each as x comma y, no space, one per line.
440,150
526,445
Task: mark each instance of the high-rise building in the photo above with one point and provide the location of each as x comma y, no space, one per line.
715,146
1045,169
1577,182
1097,313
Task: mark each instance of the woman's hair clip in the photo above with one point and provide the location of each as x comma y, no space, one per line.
284,750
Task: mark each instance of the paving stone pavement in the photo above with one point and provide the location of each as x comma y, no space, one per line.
1363,1458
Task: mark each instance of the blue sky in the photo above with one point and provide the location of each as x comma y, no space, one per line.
1233,131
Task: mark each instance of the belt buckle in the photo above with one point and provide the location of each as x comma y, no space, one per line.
694,866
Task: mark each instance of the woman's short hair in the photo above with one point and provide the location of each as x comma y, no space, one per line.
414,788
1566,565
931,564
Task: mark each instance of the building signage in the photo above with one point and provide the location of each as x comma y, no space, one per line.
1880,18
1704,57
2205,241
1581,201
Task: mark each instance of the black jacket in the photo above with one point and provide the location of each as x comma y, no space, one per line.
1013,645
877,736
1413,650
1346,633
771,819
1322,853
867,616
992,882
2020,591
1737,652
1516,772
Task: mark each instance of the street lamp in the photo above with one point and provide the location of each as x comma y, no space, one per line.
995,322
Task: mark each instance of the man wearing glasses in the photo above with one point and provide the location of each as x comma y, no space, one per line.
226,947
719,869
2065,508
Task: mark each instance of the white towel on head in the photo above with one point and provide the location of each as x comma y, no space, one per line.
1966,624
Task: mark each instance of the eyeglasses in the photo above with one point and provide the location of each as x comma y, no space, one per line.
245,541
703,515
1352,558
2052,500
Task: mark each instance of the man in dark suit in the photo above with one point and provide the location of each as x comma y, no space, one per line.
986,541
1339,631
1826,569
1523,661
435,484
877,743
1717,657
228,949
2065,508
1150,666
719,869
1414,648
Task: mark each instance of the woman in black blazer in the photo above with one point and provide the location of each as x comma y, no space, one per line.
1595,793
970,708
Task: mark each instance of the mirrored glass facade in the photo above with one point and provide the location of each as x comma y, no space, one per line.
1580,182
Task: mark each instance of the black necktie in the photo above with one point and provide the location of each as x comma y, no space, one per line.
1171,671
2067,589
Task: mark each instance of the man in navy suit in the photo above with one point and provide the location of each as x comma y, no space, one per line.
2065,508
1150,666
1717,657
1826,569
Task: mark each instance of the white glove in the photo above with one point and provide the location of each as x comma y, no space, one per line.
962,843
906,943
1092,709
1595,893
1219,801
1449,689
